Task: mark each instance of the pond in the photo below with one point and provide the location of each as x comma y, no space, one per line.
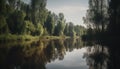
57,54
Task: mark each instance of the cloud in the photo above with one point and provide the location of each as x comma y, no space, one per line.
73,11
68,9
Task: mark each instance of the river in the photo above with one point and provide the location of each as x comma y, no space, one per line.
58,54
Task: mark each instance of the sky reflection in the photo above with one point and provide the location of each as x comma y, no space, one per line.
70,61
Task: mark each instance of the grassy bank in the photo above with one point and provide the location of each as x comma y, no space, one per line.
10,37
54,37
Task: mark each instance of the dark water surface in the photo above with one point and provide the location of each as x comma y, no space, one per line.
58,54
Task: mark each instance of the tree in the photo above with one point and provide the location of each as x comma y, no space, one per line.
114,16
2,7
15,4
38,7
28,28
59,27
66,31
3,25
97,15
49,24
39,30
71,30
15,22
28,13
78,30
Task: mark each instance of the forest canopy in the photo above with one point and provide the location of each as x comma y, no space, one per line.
20,18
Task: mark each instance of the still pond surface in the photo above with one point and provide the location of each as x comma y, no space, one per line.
57,54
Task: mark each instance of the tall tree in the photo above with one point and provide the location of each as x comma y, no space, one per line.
38,7
15,22
72,33
3,15
3,25
49,24
66,31
97,14
114,16
59,28
2,7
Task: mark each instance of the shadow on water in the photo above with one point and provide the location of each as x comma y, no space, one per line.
97,57
36,54
102,55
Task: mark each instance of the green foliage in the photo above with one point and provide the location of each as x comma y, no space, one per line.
49,24
66,31
11,37
45,32
12,3
79,30
38,8
2,22
28,28
15,22
97,14
17,17
3,25
71,29
59,28
39,30
9,10
2,7
103,19
114,18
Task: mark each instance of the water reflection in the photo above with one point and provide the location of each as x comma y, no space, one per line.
97,57
59,54
102,55
35,55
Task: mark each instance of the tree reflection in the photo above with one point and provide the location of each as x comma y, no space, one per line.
35,55
106,55
114,58
71,44
97,57
60,49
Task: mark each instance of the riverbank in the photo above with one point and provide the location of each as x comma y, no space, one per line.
10,37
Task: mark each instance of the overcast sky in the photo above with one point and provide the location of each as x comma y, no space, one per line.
73,10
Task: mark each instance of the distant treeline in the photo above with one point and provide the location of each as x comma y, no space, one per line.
18,17
103,19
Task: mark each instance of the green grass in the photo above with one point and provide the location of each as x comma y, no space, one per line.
53,37
9,37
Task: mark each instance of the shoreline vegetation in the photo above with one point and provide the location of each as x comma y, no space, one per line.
103,26
30,21
10,37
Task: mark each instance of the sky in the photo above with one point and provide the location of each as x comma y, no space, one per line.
73,10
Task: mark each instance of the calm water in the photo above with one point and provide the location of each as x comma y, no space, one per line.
58,54
72,60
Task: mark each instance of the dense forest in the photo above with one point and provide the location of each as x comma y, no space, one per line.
103,28
20,18
33,37
103,19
